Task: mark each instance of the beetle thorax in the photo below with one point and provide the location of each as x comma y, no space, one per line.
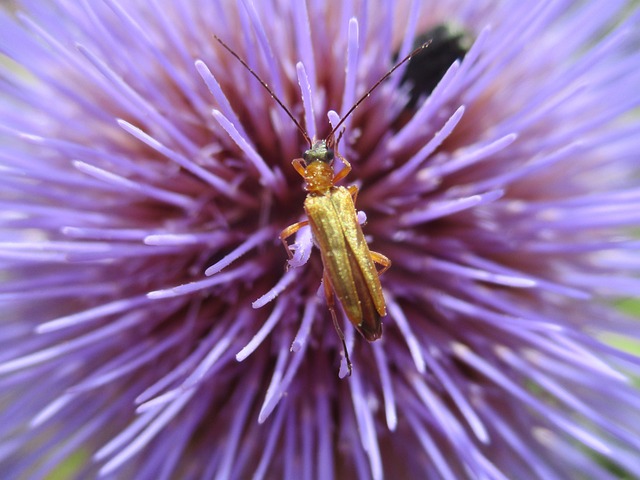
319,177
319,170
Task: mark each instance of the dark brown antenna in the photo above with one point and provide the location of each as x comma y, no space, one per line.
351,110
271,92
375,85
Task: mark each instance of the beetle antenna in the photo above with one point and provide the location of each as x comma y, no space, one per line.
332,142
377,84
267,88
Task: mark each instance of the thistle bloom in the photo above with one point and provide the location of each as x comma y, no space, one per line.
149,327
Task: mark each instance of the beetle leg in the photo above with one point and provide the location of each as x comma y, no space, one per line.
353,190
287,232
345,171
328,292
300,166
381,260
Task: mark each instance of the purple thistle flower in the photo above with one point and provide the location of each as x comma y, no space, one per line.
150,329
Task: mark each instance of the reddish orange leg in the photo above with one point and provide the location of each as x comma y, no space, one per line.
328,292
300,166
381,260
344,172
353,190
287,232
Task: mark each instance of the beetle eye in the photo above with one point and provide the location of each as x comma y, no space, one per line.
329,155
